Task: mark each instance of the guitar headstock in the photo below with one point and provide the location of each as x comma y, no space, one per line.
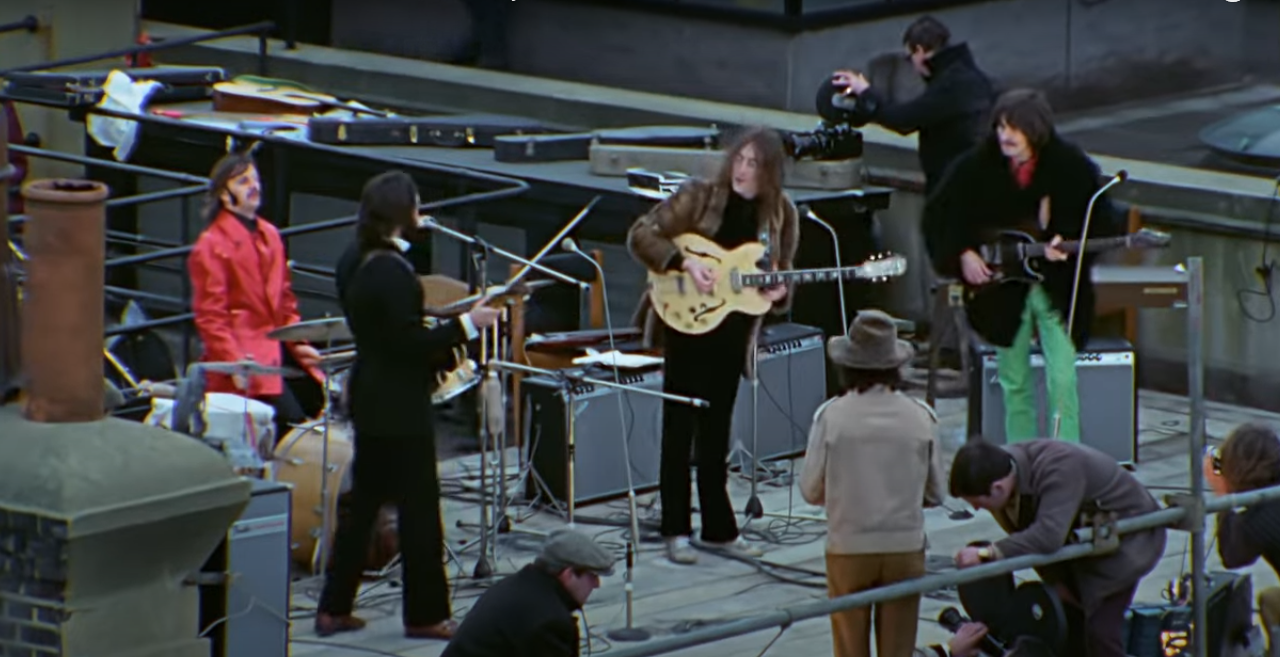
883,266
1149,238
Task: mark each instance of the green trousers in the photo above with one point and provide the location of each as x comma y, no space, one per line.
1014,363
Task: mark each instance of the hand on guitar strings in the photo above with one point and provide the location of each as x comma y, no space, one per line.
704,278
1051,253
974,268
774,293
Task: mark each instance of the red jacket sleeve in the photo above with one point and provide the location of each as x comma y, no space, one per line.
209,304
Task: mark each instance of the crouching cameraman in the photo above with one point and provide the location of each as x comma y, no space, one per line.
970,640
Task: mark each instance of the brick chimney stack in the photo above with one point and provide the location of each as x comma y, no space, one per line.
62,306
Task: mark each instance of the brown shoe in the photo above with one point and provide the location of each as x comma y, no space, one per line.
442,630
329,625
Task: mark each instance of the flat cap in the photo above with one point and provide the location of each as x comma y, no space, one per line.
566,548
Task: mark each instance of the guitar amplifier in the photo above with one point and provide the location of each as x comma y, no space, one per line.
1107,383
605,420
793,384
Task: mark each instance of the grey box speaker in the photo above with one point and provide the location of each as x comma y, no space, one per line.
243,617
1106,379
601,431
793,384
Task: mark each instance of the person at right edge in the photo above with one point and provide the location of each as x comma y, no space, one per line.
1039,492
1250,459
1025,177
744,203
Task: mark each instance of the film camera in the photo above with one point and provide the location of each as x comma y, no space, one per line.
830,141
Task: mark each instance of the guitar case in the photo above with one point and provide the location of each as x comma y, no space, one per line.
447,131
577,146
71,89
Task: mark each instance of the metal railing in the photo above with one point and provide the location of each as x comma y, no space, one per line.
791,15
1190,514
263,30
28,23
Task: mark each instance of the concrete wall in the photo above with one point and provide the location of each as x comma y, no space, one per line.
1083,54
68,28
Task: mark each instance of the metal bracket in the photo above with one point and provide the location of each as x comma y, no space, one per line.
1191,504
1105,537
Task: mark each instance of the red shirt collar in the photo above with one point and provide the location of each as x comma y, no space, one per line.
1022,172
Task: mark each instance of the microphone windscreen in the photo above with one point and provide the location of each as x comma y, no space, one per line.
495,411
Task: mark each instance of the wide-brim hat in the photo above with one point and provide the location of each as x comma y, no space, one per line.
872,344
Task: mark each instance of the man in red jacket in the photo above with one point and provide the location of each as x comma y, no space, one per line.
241,291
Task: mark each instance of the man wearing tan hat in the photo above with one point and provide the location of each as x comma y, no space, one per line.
531,612
873,462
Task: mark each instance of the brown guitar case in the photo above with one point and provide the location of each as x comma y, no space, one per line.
447,131
72,89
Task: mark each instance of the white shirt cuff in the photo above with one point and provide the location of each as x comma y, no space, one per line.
468,327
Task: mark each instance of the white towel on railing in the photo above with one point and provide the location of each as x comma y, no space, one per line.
120,93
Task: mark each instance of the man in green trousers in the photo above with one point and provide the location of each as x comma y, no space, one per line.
1022,177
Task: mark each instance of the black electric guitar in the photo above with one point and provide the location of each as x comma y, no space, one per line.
1016,256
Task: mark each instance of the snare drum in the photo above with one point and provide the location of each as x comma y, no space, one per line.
298,461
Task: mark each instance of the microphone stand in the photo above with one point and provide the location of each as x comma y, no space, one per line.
555,240
570,381
1120,177
807,212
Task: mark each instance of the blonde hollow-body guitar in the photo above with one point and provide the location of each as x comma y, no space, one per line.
739,280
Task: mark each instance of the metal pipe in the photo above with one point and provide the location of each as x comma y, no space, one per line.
147,325
163,299
108,164
342,222
255,28
62,321
916,586
162,195
10,343
1195,390
28,23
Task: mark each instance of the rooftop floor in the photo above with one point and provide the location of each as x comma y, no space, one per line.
671,598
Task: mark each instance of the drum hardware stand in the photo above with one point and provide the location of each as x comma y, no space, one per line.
571,381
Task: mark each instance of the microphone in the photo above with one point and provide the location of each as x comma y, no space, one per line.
494,409
567,244
807,212
951,619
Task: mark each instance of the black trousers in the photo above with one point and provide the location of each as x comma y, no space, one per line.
1099,632
709,367
400,470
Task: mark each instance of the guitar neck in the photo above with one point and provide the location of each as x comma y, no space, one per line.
769,279
1091,246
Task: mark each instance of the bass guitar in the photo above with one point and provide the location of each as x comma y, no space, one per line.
1016,256
681,306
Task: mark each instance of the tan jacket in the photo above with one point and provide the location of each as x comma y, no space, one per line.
874,462
698,207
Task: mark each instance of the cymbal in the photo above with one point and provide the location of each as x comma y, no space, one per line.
337,359
497,294
329,329
249,368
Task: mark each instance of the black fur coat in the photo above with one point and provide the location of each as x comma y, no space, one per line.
978,195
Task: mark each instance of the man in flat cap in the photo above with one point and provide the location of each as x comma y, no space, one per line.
531,612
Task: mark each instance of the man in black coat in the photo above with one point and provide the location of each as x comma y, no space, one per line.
531,612
950,115
1024,177
397,359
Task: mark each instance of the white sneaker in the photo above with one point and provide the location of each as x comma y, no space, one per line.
680,551
738,547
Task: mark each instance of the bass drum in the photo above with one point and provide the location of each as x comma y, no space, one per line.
298,462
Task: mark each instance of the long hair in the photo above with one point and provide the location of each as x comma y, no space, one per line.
1028,111
230,166
1251,458
770,157
389,202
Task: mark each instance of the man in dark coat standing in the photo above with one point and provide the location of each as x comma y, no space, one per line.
530,614
1038,491
950,115
1023,177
